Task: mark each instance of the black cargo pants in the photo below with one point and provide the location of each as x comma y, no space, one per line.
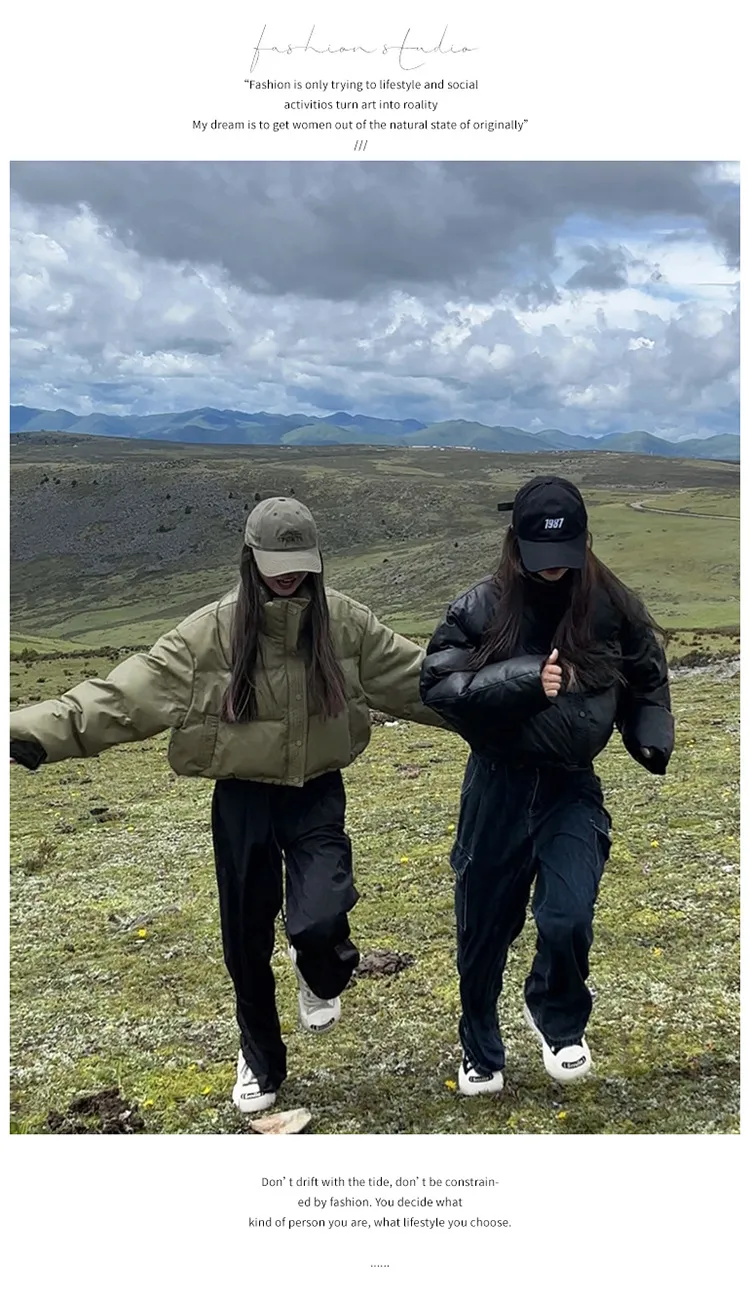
257,829
518,828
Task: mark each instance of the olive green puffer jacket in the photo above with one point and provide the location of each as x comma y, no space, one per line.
180,683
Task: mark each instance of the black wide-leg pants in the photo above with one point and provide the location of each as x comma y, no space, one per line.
260,833
519,828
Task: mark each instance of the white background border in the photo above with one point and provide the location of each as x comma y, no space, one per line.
597,81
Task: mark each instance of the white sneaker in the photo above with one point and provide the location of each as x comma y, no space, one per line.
566,1064
472,1081
246,1093
315,1014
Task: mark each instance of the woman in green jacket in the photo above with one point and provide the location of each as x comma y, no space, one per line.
268,692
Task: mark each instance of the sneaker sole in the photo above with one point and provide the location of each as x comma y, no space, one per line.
303,1024
480,1087
558,1076
261,1103
574,1077
317,1029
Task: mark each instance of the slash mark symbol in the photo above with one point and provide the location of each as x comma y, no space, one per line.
360,146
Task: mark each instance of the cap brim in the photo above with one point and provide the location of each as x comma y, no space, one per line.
542,555
284,562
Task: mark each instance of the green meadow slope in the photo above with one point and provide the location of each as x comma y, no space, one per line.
117,977
113,541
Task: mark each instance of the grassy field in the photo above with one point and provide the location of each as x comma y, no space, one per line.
144,536
117,977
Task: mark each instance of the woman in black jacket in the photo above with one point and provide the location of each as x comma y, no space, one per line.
534,667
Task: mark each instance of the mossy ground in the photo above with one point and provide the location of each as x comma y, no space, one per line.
117,975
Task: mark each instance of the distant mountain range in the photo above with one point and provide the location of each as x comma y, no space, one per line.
233,427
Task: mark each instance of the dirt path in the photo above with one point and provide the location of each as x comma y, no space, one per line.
680,512
720,671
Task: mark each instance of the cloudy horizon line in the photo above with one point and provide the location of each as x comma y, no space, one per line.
489,291
360,413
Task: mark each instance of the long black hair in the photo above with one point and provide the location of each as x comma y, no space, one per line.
326,694
591,663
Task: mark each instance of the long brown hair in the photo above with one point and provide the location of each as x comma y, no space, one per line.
326,693
590,662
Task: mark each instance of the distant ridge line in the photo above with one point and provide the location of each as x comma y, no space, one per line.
208,426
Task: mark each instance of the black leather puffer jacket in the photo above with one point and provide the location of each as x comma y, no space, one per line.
502,711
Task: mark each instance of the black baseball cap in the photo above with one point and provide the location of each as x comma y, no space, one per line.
551,524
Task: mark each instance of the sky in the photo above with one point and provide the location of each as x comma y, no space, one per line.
593,297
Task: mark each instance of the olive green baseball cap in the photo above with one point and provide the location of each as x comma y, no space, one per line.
284,538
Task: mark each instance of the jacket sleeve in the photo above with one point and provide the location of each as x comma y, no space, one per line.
143,696
389,669
508,692
644,714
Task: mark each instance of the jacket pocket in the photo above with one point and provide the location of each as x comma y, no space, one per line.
192,748
358,715
329,743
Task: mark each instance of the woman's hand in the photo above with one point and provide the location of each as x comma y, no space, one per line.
552,675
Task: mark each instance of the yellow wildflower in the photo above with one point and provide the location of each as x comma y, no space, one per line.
562,1115
657,953
451,1084
404,858
206,1091
655,845
451,827
148,1102
142,933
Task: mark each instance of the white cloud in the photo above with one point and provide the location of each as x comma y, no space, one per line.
103,320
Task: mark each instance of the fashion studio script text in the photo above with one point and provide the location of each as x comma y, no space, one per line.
404,49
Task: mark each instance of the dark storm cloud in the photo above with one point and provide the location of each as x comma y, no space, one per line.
592,297
537,294
352,230
604,269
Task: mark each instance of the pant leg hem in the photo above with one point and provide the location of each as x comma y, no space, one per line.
479,1062
269,1081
